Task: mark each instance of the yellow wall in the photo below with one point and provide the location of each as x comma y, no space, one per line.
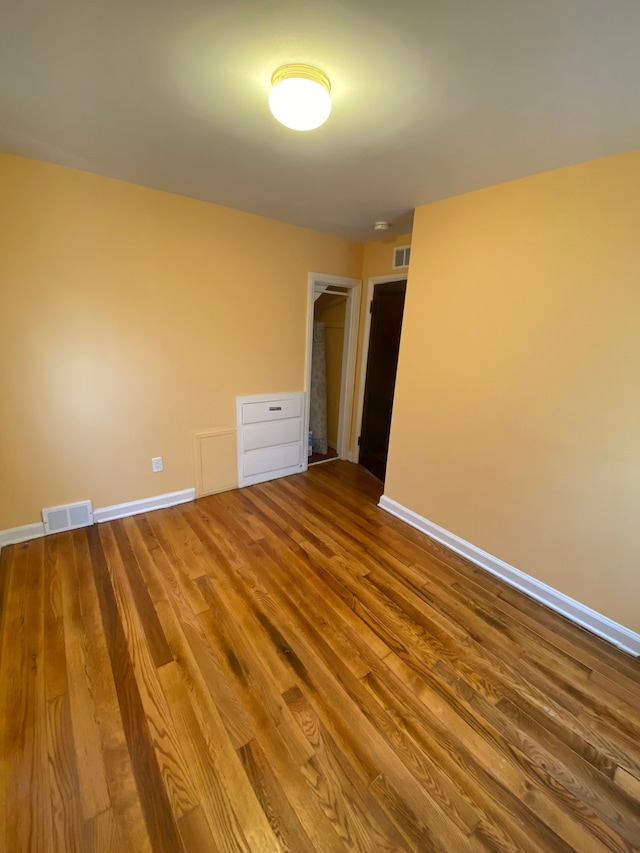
331,311
516,420
378,257
131,319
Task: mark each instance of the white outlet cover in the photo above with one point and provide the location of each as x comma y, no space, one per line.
156,464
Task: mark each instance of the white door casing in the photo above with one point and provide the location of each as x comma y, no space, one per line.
318,281
378,279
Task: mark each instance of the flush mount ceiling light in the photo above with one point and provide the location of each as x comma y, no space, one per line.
300,97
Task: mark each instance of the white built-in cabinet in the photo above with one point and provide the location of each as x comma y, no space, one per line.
270,437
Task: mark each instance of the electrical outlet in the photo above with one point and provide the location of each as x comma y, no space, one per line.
156,464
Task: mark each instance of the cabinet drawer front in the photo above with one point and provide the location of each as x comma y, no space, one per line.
270,459
273,410
269,435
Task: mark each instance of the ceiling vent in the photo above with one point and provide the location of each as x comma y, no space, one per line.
401,257
67,517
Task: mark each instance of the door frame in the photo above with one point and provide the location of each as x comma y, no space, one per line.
349,350
364,357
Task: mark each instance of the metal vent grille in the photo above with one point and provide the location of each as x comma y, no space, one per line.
67,517
401,257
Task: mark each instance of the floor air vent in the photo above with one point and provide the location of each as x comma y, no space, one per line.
68,517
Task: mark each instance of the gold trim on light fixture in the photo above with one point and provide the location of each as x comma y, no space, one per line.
303,72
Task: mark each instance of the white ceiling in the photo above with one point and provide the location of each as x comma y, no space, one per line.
430,97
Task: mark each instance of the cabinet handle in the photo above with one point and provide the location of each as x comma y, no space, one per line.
275,408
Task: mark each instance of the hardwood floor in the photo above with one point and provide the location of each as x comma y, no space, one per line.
323,457
289,668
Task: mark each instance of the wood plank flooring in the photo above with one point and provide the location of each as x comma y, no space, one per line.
288,668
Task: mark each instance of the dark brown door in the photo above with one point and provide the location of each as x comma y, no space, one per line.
382,362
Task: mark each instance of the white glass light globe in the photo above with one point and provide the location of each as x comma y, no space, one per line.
299,103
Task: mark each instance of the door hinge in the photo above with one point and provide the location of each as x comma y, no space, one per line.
371,307
359,437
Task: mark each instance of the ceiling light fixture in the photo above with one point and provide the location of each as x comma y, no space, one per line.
300,97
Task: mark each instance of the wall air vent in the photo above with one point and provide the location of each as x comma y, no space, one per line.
67,517
401,257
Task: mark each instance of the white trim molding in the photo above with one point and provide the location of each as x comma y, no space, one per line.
602,626
13,535
353,286
109,513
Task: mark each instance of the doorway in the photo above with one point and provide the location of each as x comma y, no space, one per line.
386,309
329,314
332,335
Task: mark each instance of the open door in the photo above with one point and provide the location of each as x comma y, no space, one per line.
327,359
341,340
387,308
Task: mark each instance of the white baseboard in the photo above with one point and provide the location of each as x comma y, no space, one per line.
21,534
618,635
106,513
109,513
